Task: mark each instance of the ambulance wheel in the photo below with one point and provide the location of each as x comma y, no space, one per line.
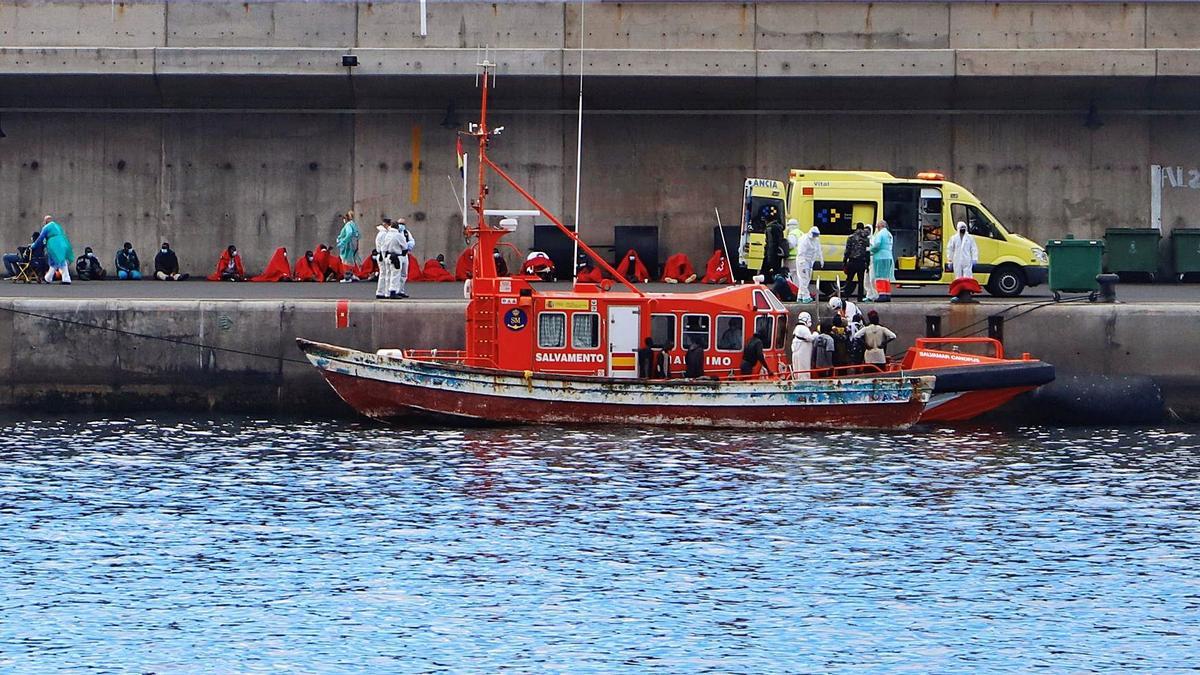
1007,282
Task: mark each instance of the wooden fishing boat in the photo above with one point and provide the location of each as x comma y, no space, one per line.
538,356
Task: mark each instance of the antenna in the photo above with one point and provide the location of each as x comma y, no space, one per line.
578,145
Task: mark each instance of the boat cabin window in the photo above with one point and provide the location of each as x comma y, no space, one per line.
585,330
761,301
781,332
731,332
662,328
552,330
695,329
762,324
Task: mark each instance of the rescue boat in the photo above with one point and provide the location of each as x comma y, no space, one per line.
536,356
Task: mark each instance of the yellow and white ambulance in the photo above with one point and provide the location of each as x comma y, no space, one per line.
921,213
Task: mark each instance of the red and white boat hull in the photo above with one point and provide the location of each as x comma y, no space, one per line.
394,389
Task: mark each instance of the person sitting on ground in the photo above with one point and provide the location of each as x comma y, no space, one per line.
166,265
462,268
588,274
632,268
678,270
415,273
875,338
87,266
229,266
717,270
306,268
59,255
784,288
11,259
435,269
538,264
694,360
128,265
278,268
753,355
368,269
328,263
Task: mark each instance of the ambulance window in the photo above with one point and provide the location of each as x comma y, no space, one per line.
762,324
731,333
977,223
552,330
662,328
695,330
780,332
833,217
585,330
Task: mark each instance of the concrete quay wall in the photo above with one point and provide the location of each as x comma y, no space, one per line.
143,354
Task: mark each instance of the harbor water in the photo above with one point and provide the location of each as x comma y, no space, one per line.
189,545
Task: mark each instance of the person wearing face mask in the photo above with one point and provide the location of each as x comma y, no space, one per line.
386,269
128,265
88,268
307,268
400,246
963,253
808,253
802,347
166,265
229,266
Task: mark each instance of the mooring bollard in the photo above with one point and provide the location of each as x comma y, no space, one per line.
996,327
933,326
1108,287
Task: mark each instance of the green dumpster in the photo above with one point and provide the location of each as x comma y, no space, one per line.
1132,250
1074,265
1185,244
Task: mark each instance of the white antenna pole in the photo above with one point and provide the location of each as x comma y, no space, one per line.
578,146
424,25
465,155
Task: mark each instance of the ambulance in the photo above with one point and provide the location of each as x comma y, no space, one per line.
921,213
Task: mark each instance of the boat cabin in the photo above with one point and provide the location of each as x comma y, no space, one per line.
590,331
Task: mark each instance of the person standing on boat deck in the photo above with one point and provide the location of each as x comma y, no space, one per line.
808,254
59,255
693,361
645,359
382,232
347,243
875,337
849,312
753,354
802,347
963,253
399,244
823,348
664,360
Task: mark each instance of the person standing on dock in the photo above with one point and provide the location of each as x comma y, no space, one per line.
399,245
59,255
882,263
808,254
855,261
347,243
382,232
963,253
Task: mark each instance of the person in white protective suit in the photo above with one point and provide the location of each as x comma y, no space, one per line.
802,347
385,265
851,315
963,253
400,244
808,253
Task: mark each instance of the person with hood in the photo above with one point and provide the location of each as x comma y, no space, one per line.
347,244
538,264
963,253
882,263
278,268
59,255
435,269
306,268
633,268
383,232
875,337
855,260
717,270
808,253
166,265
128,265
401,246
802,347
88,268
462,267
775,250
229,266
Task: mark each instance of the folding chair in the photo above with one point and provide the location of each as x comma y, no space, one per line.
26,272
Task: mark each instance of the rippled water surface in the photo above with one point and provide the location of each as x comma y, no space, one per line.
189,545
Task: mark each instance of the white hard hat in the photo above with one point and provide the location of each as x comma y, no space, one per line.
805,318
835,303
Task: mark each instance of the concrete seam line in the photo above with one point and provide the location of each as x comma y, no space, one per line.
83,324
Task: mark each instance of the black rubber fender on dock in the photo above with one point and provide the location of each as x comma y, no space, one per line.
1100,400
